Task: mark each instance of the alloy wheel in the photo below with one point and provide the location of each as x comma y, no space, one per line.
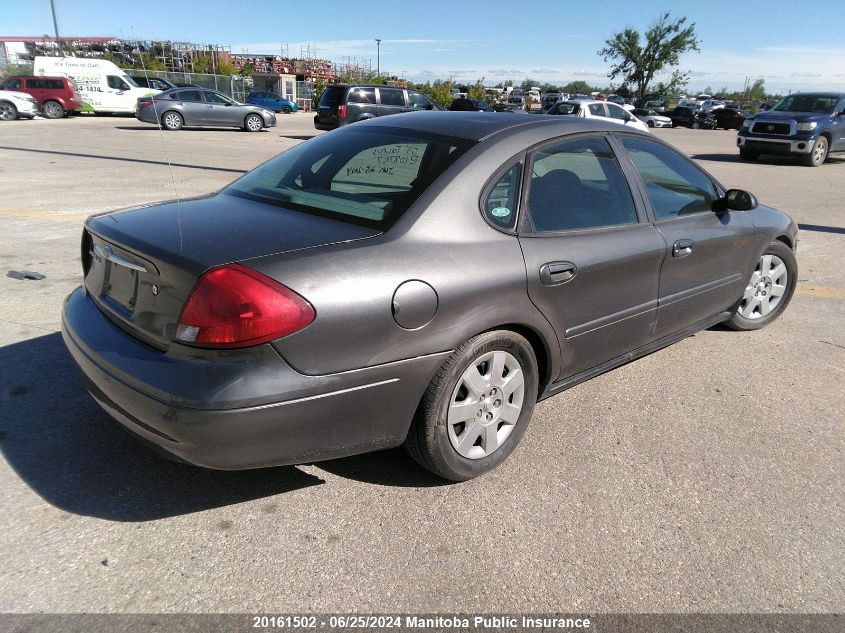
486,404
765,289
7,112
253,123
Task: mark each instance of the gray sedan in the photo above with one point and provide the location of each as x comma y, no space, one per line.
180,107
419,279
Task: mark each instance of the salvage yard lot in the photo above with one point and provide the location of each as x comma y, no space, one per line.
709,476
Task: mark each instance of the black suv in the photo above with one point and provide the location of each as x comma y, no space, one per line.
342,104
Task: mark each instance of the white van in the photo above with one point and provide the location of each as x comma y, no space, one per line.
103,86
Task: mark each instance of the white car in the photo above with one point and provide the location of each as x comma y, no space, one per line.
651,118
598,109
712,104
15,104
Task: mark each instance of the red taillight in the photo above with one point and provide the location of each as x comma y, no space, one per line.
145,103
341,112
235,306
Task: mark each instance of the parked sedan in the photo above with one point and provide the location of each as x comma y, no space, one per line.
591,109
420,279
180,107
272,101
651,118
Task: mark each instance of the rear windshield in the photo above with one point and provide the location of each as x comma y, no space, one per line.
820,104
365,176
332,95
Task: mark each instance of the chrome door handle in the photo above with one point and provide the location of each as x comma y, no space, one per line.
682,248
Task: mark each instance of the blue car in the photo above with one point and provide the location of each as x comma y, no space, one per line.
272,101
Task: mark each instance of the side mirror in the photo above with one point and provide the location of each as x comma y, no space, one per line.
738,200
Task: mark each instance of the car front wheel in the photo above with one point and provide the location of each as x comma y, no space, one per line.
253,123
769,290
8,111
287,110
476,408
817,157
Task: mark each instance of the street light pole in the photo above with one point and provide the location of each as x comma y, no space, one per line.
55,26
378,57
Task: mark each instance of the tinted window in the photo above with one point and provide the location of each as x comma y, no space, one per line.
362,95
13,84
578,185
417,101
367,177
33,84
332,95
116,83
820,104
675,185
188,95
500,207
391,97
565,108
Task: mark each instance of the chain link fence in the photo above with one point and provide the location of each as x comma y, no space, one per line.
236,86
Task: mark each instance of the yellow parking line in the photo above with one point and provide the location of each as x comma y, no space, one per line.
822,292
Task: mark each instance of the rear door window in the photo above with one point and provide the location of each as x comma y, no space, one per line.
188,95
13,84
362,95
578,184
392,97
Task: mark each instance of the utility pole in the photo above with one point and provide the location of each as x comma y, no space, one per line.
378,56
55,25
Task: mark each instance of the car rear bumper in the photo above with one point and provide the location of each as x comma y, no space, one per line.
250,412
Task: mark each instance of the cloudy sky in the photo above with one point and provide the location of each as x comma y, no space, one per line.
792,46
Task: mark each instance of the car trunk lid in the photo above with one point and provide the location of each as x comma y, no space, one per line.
140,265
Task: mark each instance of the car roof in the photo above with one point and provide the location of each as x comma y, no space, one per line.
835,95
477,126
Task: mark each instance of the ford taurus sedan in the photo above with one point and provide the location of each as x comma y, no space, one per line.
200,107
419,279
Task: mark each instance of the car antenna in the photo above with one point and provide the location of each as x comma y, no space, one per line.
163,142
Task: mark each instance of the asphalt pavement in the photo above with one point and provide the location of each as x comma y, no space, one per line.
707,477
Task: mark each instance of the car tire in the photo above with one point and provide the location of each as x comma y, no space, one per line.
287,110
818,154
695,125
650,123
172,121
8,111
492,380
53,110
769,290
747,154
253,123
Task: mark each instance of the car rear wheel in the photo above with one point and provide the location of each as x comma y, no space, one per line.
817,157
769,290
172,121
253,123
747,154
53,110
476,408
650,123
8,111
287,110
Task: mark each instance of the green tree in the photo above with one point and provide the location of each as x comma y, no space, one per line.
757,91
476,90
528,83
576,87
638,63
